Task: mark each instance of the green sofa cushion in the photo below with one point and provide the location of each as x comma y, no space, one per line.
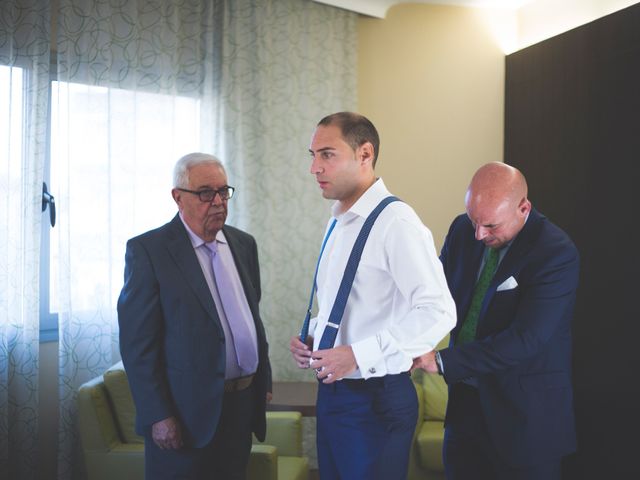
115,379
435,397
430,445
285,432
293,468
435,391
263,462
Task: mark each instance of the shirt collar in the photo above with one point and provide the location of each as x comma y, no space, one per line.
196,241
366,203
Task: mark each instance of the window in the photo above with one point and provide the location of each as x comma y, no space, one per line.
11,92
111,156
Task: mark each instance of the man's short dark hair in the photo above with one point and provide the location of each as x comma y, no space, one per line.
356,130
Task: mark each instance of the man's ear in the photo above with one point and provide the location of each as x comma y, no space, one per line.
365,153
175,193
525,207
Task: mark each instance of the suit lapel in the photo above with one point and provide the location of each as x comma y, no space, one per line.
516,253
181,250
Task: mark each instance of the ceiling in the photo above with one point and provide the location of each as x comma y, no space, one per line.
378,8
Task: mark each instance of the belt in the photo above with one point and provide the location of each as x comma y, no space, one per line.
373,379
238,384
363,382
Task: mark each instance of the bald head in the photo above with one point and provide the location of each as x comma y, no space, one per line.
497,203
495,183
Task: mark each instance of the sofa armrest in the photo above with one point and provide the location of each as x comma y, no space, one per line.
263,462
284,431
98,430
430,440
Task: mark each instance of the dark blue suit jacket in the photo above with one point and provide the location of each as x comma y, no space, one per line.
171,340
522,356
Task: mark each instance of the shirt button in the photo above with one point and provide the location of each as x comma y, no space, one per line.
372,370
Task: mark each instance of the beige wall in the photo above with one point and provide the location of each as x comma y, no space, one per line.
431,78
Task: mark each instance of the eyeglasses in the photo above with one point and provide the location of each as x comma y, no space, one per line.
208,195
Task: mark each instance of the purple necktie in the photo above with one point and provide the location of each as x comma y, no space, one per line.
231,295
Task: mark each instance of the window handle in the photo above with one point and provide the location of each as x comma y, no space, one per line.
47,198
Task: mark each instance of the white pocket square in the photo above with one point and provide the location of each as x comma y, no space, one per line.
509,284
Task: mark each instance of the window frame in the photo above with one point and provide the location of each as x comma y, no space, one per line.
49,331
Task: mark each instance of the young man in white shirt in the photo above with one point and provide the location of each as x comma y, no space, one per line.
398,308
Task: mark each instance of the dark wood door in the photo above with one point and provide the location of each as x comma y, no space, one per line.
572,125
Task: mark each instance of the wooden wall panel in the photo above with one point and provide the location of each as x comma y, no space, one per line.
572,125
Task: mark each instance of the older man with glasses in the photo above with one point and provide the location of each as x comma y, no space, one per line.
191,337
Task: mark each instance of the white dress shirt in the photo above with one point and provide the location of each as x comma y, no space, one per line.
399,306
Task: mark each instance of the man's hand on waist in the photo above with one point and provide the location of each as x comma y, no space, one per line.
334,363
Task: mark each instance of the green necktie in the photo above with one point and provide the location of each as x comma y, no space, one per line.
468,331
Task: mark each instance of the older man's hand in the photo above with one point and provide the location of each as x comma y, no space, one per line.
167,434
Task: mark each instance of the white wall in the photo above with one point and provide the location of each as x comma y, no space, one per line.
542,19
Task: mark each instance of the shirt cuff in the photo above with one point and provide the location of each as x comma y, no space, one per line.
368,354
439,364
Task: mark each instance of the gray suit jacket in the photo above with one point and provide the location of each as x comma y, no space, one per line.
171,340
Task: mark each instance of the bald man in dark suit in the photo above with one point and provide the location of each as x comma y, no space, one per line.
513,275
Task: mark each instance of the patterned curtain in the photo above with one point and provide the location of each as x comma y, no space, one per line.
285,65
24,78
139,83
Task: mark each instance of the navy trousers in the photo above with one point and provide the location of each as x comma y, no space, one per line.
365,428
469,452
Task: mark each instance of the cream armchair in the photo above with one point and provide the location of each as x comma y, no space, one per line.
112,449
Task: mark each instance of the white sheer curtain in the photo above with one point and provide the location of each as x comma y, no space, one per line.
134,91
24,77
139,84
